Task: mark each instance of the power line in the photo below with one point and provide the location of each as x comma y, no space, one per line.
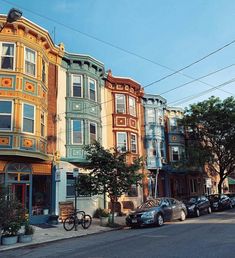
189,98
128,51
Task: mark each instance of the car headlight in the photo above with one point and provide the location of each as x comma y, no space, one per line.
191,207
148,214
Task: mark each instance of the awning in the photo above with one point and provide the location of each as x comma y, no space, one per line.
231,181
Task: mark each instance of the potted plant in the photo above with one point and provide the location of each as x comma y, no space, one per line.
28,234
9,235
104,217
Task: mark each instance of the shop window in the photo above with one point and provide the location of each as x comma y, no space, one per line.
70,191
7,55
76,85
5,115
30,62
120,100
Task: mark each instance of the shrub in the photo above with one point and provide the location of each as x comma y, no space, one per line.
101,213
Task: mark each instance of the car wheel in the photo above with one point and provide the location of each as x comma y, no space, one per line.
159,220
209,210
197,213
182,215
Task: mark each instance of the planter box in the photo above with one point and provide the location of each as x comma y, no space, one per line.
104,221
9,240
25,238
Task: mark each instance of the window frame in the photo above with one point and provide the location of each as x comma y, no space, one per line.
72,85
95,124
72,132
14,55
29,74
132,109
172,153
136,144
116,103
23,117
117,142
89,88
7,114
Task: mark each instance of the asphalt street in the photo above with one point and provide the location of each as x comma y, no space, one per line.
207,236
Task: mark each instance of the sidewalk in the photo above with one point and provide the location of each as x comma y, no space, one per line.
57,232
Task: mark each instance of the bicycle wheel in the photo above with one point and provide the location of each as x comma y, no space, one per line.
86,221
69,223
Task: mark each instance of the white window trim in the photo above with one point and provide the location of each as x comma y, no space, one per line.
92,123
35,61
125,137
34,115
136,144
12,115
91,79
172,153
134,101
81,131
116,103
72,80
14,56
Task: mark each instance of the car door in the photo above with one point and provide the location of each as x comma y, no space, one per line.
167,209
204,203
176,209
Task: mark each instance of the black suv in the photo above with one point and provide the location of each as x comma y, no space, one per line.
220,202
196,205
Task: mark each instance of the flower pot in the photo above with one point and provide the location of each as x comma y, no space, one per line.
104,221
9,240
25,238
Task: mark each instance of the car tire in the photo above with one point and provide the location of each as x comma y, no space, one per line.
197,212
159,220
182,215
209,210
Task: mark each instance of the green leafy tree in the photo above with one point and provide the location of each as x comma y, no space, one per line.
210,125
110,173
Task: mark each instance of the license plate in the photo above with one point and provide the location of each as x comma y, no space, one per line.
134,220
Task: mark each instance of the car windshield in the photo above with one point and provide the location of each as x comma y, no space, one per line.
149,204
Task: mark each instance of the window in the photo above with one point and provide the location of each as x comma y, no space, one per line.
133,143
92,89
120,103
132,107
77,132
28,118
5,115
133,191
7,56
30,62
150,116
173,124
76,85
122,142
93,132
162,150
175,153
43,71
193,185
43,124
70,191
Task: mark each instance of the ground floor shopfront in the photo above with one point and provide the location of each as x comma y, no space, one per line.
30,183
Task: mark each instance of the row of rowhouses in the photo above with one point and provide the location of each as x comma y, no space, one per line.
52,103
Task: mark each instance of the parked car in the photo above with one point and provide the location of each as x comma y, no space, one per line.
196,205
156,212
232,198
220,202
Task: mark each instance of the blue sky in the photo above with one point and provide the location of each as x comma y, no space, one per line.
170,33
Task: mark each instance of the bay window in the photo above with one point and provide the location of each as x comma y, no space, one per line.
76,85
121,141
132,106
92,89
7,52
120,100
30,62
93,132
175,153
28,118
77,131
133,143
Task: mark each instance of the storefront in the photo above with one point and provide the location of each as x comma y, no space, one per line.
32,187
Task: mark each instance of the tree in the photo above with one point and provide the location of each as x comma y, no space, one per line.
211,126
110,174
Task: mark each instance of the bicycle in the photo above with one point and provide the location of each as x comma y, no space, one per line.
77,218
